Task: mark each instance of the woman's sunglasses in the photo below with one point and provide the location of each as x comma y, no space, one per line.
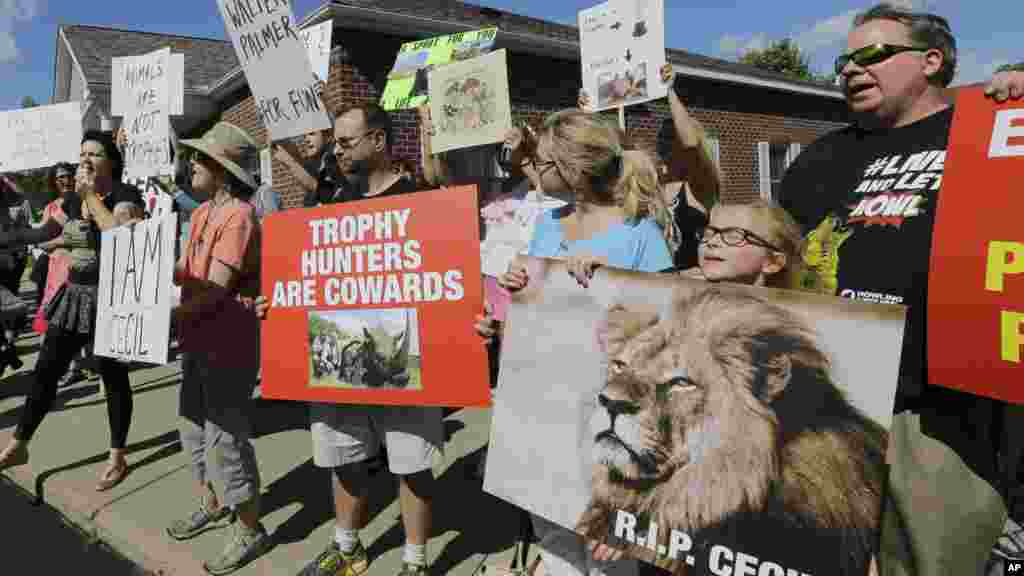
873,54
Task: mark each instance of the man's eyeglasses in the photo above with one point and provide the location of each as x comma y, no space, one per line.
735,237
873,54
345,144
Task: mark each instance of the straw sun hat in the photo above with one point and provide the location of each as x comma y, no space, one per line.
229,146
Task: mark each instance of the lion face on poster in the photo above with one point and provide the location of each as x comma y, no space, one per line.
721,416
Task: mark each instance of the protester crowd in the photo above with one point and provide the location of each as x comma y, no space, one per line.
624,208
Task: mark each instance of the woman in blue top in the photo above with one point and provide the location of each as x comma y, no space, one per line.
614,216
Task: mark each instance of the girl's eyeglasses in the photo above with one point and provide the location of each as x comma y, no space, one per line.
873,54
735,237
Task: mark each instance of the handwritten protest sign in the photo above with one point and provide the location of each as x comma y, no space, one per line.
407,85
469,102
976,283
622,51
374,302
317,40
273,56
121,99
142,86
40,137
136,292
706,428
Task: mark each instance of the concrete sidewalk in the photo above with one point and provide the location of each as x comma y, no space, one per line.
68,454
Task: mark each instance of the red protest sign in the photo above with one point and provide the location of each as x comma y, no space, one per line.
976,283
373,302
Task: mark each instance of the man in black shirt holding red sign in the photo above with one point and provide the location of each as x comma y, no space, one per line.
866,197
348,438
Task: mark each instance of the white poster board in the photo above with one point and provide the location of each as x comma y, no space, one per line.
40,137
266,167
142,88
120,99
318,45
469,102
509,225
622,51
269,48
136,292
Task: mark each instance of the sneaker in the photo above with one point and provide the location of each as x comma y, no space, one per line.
243,546
200,520
69,378
1011,544
409,569
333,562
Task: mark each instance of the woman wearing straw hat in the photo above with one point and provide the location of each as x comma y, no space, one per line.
71,312
219,272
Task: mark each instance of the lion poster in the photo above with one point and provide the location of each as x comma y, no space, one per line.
705,428
469,102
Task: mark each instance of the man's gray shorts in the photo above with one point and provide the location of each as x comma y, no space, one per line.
347,434
215,429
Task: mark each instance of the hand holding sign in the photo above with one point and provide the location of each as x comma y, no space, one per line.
1006,84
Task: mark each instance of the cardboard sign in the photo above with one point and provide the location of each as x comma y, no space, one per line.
373,302
408,85
142,86
622,51
273,56
676,419
976,282
40,137
136,291
469,102
121,99
317,40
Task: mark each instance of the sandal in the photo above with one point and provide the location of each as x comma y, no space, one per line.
112,477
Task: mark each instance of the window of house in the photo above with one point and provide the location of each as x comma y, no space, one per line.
773,158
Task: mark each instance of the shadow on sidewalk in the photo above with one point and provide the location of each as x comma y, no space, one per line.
312,487
460,504
173,446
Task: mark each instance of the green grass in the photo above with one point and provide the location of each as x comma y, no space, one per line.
415,382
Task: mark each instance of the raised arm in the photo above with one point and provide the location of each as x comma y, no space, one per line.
690,161
308,182
435,168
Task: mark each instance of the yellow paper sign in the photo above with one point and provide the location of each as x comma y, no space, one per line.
407,82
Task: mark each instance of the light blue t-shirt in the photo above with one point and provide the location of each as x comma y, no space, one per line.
637,246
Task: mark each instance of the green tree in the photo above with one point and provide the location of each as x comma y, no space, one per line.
1011,67
782,56
29,102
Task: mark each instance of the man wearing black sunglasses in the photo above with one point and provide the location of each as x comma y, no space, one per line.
866,195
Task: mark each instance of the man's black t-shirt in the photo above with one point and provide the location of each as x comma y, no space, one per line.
866,200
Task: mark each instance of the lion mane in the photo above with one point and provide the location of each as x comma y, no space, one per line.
721,421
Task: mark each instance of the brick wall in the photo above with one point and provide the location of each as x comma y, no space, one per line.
739,117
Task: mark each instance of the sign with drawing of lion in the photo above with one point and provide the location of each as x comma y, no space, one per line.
705,428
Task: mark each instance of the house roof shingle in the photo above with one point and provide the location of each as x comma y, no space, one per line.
206,60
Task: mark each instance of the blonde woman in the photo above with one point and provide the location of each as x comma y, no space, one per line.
612,217
691,181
